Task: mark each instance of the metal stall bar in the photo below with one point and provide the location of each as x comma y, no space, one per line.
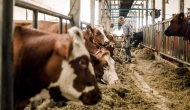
37,9
6,55
152,35
40,9
126,17
129,9
83,22
35,19
60,25
155,30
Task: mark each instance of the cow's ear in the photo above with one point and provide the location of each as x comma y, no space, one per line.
90,28
64,46
180,17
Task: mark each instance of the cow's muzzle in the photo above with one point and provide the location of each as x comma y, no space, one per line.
91,98
167,32
106,66
106,43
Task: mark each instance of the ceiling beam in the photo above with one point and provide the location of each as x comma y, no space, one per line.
137,4
126,16
129,9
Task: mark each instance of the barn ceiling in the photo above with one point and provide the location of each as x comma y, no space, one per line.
119,8
125,4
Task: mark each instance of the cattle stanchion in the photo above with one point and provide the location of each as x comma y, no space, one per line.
6,55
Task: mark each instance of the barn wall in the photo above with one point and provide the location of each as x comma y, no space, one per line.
186,5
96,12
61,6
85,10
171,8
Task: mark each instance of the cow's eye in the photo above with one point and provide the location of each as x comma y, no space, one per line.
98,33
83,63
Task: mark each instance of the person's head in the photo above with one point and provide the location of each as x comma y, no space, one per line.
121,19
112,25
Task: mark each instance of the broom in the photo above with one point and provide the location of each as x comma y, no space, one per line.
117,58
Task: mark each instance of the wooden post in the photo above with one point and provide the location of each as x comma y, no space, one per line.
163,10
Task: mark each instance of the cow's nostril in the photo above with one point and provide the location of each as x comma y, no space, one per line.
166,32
106,43
100,97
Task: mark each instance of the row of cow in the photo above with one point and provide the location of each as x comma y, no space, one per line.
60,66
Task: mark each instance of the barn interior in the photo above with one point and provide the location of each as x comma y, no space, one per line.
174,85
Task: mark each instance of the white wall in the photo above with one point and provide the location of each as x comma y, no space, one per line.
96,13
61,6
171,8
186,5
85,11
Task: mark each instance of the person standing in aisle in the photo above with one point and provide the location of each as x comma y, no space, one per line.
127,35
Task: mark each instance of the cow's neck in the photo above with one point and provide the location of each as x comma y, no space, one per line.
91,48
86,35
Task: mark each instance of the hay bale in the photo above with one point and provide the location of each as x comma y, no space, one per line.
145,54
181,71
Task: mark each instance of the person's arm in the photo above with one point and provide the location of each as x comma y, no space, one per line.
126,30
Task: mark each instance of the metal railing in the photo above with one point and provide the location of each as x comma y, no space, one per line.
83,23
37,9
173,47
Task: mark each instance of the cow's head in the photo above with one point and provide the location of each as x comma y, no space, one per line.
111,39
98,68
99,62
77,80
104,66
97,58
110,75
48,65
111,44
98,35
178,26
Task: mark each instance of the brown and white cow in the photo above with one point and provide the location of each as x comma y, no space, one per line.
96,35
48,65
97,58
109,76
179,26
112,42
